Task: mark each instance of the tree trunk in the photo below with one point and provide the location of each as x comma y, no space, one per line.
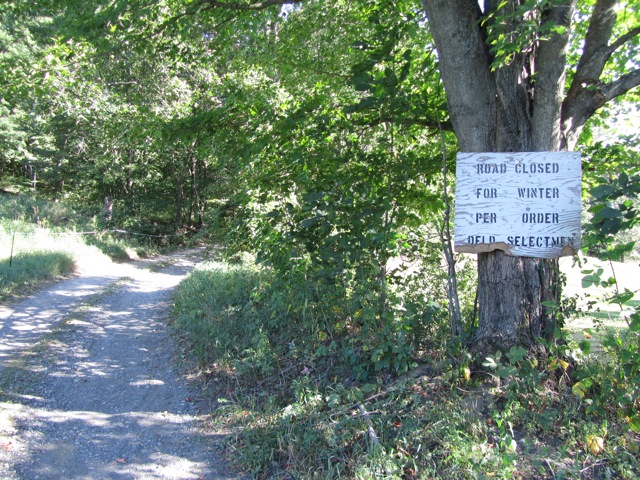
108,208
511,292
494,110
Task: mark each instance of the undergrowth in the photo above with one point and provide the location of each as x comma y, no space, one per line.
295,405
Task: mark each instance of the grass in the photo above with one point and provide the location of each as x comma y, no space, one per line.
22,273
30,259
293,407
41,240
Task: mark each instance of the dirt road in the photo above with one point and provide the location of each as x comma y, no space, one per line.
88,384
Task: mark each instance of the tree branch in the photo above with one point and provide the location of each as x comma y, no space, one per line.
621,86
596,50
587,93
250,5
550,72
624,39
590,98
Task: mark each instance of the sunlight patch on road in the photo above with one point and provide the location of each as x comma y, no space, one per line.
146,383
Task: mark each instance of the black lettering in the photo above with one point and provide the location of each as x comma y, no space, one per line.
486,217
537,168
490,168
527,192
547,217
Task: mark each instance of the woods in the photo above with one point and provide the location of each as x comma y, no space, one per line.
320,138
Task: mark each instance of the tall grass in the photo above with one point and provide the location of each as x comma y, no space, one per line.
28,212
21,273
29,258
219,310
39,241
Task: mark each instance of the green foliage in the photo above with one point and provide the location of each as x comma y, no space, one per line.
614,180
612,384
516,27
292,380
217,310
344,177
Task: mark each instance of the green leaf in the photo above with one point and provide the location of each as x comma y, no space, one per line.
579,389
585,347
635,423
623,179
602,191
517,354
607,213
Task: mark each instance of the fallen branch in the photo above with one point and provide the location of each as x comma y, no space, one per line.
373,438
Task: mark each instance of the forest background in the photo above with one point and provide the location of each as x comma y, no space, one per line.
313,142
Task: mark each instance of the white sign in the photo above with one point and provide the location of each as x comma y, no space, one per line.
526,204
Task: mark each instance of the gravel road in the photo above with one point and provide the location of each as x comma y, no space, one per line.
89,385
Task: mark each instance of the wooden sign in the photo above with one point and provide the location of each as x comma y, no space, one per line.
526,204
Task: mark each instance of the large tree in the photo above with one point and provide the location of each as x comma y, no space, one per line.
505,71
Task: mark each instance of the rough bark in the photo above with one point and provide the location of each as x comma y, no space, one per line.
490,111
550,70
465,68
511,292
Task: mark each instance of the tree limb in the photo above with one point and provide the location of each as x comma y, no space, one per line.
587,92
624,39
589,98
621,86
550,72
603,19
250,5
596,50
